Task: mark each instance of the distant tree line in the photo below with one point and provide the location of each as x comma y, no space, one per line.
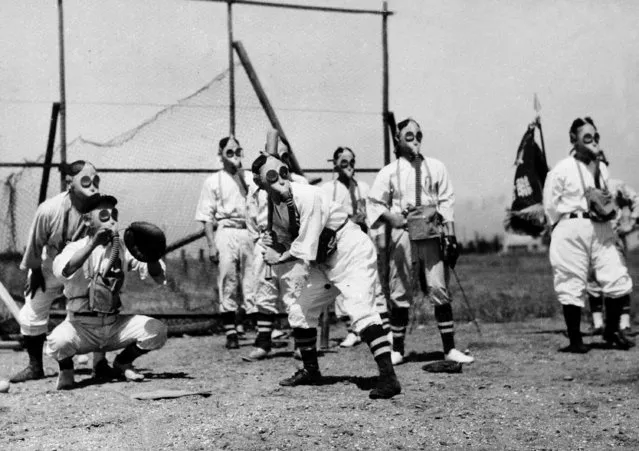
482,245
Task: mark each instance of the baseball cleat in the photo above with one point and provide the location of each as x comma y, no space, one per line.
619,339
302,377
457,356
575,349
276,333
351,340
82,359
386,388
127,371
397,358
102,371
256,354
297,354
66,380
30,373
232,342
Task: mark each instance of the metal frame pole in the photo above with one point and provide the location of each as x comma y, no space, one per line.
231,69
385,84
46,170
63,96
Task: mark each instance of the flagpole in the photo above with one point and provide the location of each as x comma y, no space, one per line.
537,107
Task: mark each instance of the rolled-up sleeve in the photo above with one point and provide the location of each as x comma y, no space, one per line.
379,198
312,220
207,204
61,260
553,189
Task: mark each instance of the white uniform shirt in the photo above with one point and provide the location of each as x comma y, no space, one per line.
77,284
394,189
46,233
316,211
221,199
341,194
563,191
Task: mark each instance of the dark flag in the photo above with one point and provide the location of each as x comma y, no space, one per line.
526,214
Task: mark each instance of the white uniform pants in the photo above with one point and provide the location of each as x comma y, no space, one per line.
284,288
351,271
235,269
425,267
34,315
81,335
579,247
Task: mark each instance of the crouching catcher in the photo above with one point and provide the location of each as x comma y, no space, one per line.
92,271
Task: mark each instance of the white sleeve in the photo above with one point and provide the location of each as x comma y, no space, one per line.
445,195
553,189
207,205
61,260
379,198
143,269
312,220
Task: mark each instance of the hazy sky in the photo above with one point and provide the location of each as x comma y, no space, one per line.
466,70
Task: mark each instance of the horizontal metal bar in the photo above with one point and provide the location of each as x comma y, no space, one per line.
329,9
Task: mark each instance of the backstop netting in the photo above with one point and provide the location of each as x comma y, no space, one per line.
326,92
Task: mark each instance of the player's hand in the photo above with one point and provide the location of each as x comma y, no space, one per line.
396,221
267,239
34,281
102,236
214,254
271,256
451,250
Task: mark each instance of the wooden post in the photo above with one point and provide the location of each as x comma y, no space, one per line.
46,170
63,96
231,69
385,84
266,104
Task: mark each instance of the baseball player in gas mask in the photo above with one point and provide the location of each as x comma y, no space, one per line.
338,253
580,209
351,194
222,211
414,196
57,221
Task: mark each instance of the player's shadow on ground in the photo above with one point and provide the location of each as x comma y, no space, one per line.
147,377
363,383
424,356
167,375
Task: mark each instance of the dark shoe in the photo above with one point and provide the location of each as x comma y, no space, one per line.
575,349
103,372
232,342
386,388
30,373
302,377
620,340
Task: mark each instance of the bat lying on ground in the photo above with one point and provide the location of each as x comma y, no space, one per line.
164,393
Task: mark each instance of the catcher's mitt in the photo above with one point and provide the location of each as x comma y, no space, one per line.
443,366
145,241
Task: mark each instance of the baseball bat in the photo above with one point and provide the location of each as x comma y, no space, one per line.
10,303
272,140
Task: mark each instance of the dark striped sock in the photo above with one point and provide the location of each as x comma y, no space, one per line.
228,320
377,341
306,342
264,323
385,322
625,313
596,304
444,317
398,323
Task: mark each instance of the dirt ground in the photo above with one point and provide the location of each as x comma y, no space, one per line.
519,394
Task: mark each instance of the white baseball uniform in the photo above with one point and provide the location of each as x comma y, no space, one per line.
579,245
56,222
83,331
222,200
394,190
351,269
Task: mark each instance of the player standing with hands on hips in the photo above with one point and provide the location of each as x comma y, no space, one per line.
580,209
57,222
222,211
415,197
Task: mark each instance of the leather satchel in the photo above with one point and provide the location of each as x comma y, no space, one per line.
601,204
